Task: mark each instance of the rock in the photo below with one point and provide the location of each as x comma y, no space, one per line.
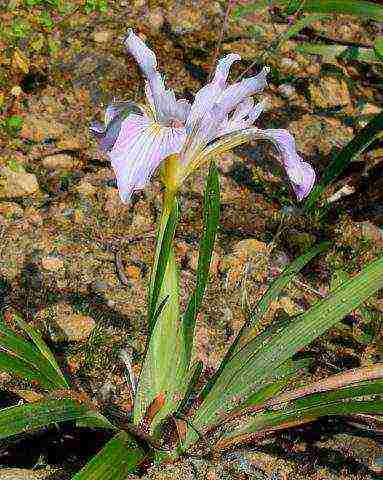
86,189
102,36
287,90
372,232
250,257
38,128
53,264
184,19
23,474
156,19
73,328
17,184
11,210
71,143
330,92
61,161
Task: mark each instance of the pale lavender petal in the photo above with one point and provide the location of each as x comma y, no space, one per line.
116,112
139,149
243,117
210,93
300,173
236,93
163,101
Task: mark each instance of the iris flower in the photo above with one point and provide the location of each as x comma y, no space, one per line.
182,136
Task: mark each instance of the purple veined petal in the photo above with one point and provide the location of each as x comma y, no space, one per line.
139,149
163,101
243,117
237,92
300,173
116,112
208,94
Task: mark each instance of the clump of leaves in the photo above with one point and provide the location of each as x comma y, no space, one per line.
13,125
96,6
172,415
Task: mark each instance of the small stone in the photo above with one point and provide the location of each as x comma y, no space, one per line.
23,474
102,37
330,92
156,19
71,143
53,264
17,184
73,328
11,210
38,128
287,90
133,272
61,161
85,188
372,232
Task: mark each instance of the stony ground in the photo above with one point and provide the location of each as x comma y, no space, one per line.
62,225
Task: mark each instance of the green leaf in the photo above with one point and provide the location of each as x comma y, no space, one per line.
330,396
348,153
36,338
120,457
251,367
193,377
24,418
165,237
378,48
359,8
211,212
300,25
22,359
163,374
249,329
333,52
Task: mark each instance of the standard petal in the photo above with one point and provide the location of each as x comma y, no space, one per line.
243,117
166,108
210,93
139,149
237,92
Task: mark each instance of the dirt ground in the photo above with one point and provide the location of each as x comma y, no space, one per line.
62,224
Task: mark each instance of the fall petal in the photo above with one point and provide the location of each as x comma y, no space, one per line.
139,149
162,100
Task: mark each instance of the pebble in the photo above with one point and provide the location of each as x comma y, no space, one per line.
287,90
38,128
53,264
23,474
73,328
330,92
102,37
11,210
17,184
61,161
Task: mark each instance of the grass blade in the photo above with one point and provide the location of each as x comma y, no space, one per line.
36,338
257,360
211,211
165,237
300,25
20,419
249,328
332,52
360,8
15,366
119,458
165,366
352,150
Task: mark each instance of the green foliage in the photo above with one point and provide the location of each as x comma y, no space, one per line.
20,28
331,52
360,8
253,366
119,458
33,362
211,211
19,419
45,20
96,6
349,152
